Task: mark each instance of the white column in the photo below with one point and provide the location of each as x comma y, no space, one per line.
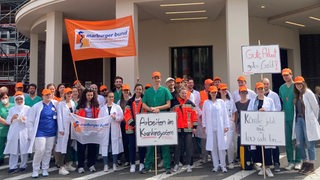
237,22
53,62
34,39
127,67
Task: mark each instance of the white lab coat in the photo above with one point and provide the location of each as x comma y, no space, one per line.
276,100
215,111
236,96
18,133
33,122
311,116
64,121
101,100
116,137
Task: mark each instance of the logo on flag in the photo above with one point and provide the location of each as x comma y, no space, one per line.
101,39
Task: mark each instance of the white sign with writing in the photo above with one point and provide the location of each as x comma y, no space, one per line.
261,59
262,128
156,129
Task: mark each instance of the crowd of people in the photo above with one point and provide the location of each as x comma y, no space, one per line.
208,120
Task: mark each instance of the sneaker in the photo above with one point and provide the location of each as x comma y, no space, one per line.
189,169
224,170
269,172
180,164
80,170
106,168
297,166
115,167
141,166
45,173
289,167
69,167
119,163
35,174
12,171
143,171
63,171
22,169
92,169
257,167
133,168
215,169
168,171
160,164
126,164
175,168
231,166
277,167
260,173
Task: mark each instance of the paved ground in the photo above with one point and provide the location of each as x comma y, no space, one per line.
200,172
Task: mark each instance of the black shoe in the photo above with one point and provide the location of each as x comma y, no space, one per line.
119,163
22,169
168,171
1,161
12,171
143,171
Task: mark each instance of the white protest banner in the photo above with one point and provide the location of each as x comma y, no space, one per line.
261,59
262,128
156,129
90,130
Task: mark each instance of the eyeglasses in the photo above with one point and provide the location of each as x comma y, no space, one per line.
104,90
243,92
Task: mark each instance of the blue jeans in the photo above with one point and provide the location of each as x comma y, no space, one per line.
302,141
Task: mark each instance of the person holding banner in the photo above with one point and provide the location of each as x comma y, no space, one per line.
306,126
187,125
231,109
113,114
262,103
215,120
286,95
133,107
155,100
88,107
42,131
17,140
63,146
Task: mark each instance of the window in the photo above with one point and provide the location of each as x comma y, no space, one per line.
193,61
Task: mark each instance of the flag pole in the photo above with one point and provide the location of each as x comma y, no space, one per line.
75,69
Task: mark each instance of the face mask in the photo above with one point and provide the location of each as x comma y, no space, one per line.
4,101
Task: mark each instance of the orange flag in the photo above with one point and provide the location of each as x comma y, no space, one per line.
101,39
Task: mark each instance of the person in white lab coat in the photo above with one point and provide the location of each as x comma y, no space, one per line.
215,120
262,103
306,128
242,82
42,131
17,139
114,114
63,146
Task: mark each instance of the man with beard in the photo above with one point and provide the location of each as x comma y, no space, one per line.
32,98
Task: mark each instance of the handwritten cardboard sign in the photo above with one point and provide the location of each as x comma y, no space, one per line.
262,128
156,129
261,59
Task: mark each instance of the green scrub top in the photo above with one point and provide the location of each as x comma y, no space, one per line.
287,96
158,97
4,113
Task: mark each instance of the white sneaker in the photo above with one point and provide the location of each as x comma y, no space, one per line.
133,168
180,164
215,169
224,170
298,166
189,169
175,168
106,168
257,167
141,166
69,167
35,174
260,172
289,167
115,167
231,166
63,171
45,173
92,169
80,170
269,172
160,164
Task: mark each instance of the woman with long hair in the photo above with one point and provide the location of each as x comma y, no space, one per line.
88,107
306,126
114,115
134,106
59,92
